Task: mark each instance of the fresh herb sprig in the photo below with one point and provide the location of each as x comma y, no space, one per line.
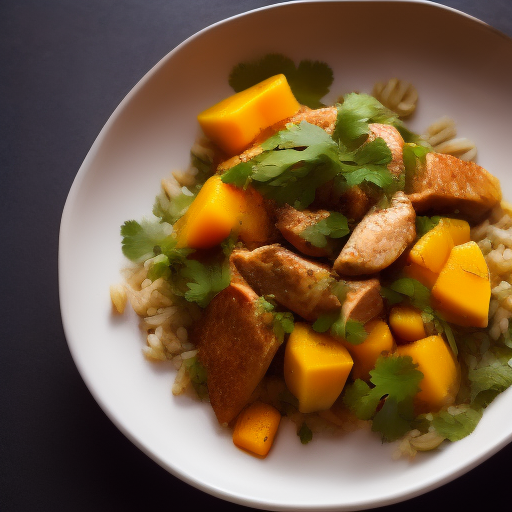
388,401
309,81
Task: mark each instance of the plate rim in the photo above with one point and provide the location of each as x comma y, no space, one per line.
71,196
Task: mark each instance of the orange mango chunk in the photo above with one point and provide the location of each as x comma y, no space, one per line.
432,250
378,342
440,371
316,367
459,230
256,427
422,274
219,209
235,122
406,323
463,290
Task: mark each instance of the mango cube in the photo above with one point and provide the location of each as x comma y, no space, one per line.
219,209
422,274
406,323
235,122
316,367
378,342
463,290
440,371
459,230
256,427
432,250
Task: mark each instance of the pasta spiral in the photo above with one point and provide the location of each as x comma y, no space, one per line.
397,95
442,136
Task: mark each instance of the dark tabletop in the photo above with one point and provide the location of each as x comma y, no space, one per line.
65,65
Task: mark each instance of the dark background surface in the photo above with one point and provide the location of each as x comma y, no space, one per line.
64,67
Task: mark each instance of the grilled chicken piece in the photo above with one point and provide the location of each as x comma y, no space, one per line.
300,285
394,142
379,239
292,222
236,344
446,184
323,117
363,301
355,203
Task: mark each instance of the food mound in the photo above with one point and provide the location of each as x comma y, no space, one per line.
328,265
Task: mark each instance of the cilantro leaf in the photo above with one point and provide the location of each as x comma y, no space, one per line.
323,322
170,210
334,226
204,281
394,419
417,293
247,74
377,175
309,81
456,426
444,327
140,239
397,376
413,156
282,321
395,380
198,376
356,113
351,330
374,152
160,267
495,378
425,224
283,324
308,158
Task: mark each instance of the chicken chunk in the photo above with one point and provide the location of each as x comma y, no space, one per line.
292,222
363,301
355,202
394,142
236,344
446,184
379,239
298,284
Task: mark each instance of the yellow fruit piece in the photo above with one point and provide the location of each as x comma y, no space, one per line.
463,290
316,367
219,209
378,342
432,250
422,274
256,427
406,323
459,230
234,122
440,371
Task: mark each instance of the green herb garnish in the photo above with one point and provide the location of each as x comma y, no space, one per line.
389,401
334,226
309,81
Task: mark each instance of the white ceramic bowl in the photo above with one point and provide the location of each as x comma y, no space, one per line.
458,65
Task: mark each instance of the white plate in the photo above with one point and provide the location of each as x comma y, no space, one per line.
460,68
